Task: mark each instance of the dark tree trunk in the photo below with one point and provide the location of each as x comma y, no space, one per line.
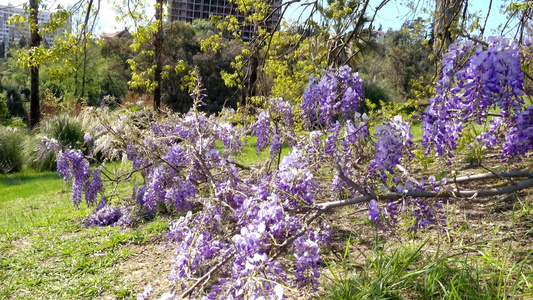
158,46
35,41
254,65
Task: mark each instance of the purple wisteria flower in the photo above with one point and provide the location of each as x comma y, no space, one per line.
106,215
336,93
46,145
373,211
74,169
394,140
475,80
93,187
262,130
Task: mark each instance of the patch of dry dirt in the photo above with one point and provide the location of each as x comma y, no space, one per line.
149,265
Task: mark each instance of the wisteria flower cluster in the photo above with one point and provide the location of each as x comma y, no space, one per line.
393,144
235,225
274,126
476,79
106,215
74,169
337,93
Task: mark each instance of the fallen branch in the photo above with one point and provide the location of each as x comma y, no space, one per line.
514,174
207,275
426,194
349,182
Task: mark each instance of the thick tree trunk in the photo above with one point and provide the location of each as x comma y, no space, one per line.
158,46
446,13
35,41
254,65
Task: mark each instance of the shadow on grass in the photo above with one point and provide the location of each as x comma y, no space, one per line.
25,178
29,184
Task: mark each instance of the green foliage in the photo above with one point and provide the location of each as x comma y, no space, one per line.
289,70
468,143
375,94
116,52
11,143
182,56
11,74
86,77
46,162
18,123
203,28
408,272
15,103
35,56
66,129
4,111
407,57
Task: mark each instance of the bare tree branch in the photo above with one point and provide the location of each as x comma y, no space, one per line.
207,275
486,19
349,182
426,194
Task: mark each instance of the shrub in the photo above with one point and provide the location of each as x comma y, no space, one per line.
46,162
4,112
66,129
15,104
11,156
376,95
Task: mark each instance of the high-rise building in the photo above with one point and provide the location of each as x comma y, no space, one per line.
14,32
190,10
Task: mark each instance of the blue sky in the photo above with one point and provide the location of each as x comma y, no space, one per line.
396,12
393,15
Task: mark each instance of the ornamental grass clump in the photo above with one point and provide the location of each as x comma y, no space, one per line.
11,142
66,129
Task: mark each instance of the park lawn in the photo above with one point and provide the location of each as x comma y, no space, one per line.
249,155
47,253
486,252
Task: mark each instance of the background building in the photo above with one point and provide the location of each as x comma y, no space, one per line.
190,10
14,32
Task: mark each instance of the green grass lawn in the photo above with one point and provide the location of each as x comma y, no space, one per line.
249,156
47,253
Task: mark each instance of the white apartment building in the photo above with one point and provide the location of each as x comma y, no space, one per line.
13,32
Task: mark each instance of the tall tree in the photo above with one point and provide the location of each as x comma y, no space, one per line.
158,48
37,53
447,14
35,42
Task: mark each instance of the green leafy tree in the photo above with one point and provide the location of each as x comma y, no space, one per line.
15,104
117,51
183,61
81,79
148,79
34,63
289,70
407,57
4,111
33,57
